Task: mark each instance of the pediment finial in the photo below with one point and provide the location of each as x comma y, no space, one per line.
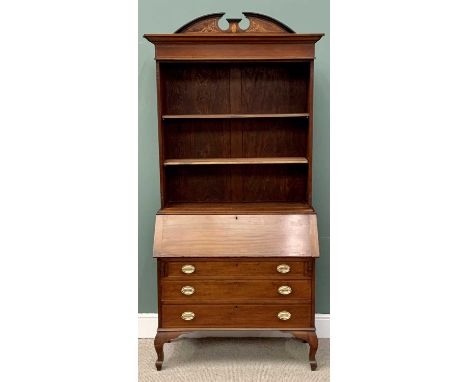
234,25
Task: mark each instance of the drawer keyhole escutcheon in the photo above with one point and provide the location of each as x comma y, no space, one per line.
284,315
187,316
188,290
284,290
188,269
283,268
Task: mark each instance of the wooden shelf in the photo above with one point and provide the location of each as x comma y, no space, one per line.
237,208
213,161
235,116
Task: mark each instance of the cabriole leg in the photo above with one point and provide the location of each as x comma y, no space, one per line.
311,338
159,341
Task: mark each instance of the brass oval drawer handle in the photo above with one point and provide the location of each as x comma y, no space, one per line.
188,290
284,290
188,269
284,315
283,268
187,316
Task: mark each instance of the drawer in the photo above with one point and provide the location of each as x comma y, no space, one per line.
196,289
285,268
236,316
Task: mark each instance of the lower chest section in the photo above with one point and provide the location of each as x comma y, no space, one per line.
236,292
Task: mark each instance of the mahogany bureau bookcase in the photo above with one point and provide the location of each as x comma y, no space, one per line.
236,236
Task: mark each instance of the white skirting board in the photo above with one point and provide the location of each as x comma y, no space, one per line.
148,324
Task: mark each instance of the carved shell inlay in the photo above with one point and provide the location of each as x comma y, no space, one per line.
264,26
206,27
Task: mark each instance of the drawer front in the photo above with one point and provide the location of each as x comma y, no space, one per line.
275,268
236,316
196,289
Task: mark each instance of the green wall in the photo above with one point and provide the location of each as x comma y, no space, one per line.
164,16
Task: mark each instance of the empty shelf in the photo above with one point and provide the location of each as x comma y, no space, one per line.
237,208
213,161
232,116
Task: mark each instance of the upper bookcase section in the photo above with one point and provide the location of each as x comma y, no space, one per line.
264,39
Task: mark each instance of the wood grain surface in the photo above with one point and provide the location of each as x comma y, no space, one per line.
234,116
197,138
234,316
240,291
237,208
236,235
212,268
250,183
272,87
195,88
209,161
237,52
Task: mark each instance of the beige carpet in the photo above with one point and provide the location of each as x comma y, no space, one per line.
233,360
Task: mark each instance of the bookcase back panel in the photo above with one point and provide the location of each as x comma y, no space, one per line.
196,88
237,183
274,87
229,101
221,88
273,137
198,184
273,183
197,139
219,138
